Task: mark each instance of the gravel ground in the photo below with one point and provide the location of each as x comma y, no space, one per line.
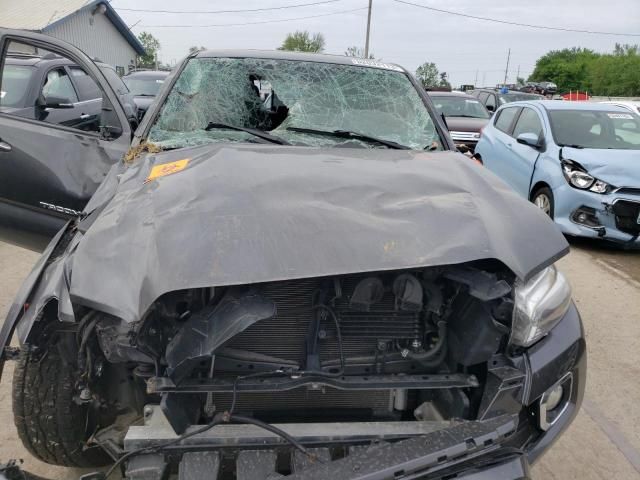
603,442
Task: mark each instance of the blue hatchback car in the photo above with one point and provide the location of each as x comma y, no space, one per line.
578,162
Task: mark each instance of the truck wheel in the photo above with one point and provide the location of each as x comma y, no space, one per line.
51,425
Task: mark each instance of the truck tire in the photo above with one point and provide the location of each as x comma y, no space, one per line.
50,424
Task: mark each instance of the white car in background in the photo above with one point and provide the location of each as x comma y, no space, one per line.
634,106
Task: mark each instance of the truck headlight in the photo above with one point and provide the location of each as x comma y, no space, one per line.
538,305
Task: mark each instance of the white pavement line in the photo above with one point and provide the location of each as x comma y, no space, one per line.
613,433
618,272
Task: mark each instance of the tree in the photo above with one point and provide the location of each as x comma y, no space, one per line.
567,68
611,74
195,49
427,74
357,52
151,47
520,81
303,42
444,81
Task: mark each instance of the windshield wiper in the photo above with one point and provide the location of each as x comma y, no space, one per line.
352,135
252,131
570,145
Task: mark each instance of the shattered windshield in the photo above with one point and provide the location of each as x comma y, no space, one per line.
283,97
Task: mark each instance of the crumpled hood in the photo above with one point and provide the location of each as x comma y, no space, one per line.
620,168
240,214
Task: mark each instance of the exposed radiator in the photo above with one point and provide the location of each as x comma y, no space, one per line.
285,335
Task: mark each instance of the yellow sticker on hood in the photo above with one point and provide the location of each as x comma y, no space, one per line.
167,169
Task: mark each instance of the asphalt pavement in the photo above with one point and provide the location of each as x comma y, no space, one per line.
604,440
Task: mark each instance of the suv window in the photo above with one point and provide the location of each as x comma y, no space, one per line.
87,88
482,96
528,122
58,84
505,118
15,85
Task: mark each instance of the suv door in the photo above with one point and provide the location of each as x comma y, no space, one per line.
52,163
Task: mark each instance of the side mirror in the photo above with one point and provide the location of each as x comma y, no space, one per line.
530,139
54,102
490,108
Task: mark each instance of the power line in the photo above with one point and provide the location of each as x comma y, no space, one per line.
298,5
542,27
255,23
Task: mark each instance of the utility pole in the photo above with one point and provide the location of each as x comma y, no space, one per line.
475,82
518,74
366,43
506,71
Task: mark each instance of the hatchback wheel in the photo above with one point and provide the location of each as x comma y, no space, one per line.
543,199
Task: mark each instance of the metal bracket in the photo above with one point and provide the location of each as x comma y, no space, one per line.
292,381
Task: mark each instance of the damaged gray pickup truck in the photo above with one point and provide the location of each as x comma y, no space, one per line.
293,275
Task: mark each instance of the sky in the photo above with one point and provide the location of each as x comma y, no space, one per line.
470,51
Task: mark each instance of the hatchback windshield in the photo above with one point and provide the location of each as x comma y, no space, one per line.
299,102
143,87
596,129
459,106
15,82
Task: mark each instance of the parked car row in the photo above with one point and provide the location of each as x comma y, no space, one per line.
542,88
578,162
290,259
493,98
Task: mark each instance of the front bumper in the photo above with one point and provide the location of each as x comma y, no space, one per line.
613,217
499,445
470,139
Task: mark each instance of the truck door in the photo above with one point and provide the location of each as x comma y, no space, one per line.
51,162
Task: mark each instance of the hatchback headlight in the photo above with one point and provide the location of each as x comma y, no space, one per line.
579,178
539,304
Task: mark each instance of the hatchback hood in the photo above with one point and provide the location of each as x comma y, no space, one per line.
242,214
620,168
465,124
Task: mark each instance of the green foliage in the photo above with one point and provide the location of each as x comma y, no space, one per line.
303,42
151,47
428,74
357,52
611,74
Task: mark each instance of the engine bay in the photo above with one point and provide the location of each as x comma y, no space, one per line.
389,346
